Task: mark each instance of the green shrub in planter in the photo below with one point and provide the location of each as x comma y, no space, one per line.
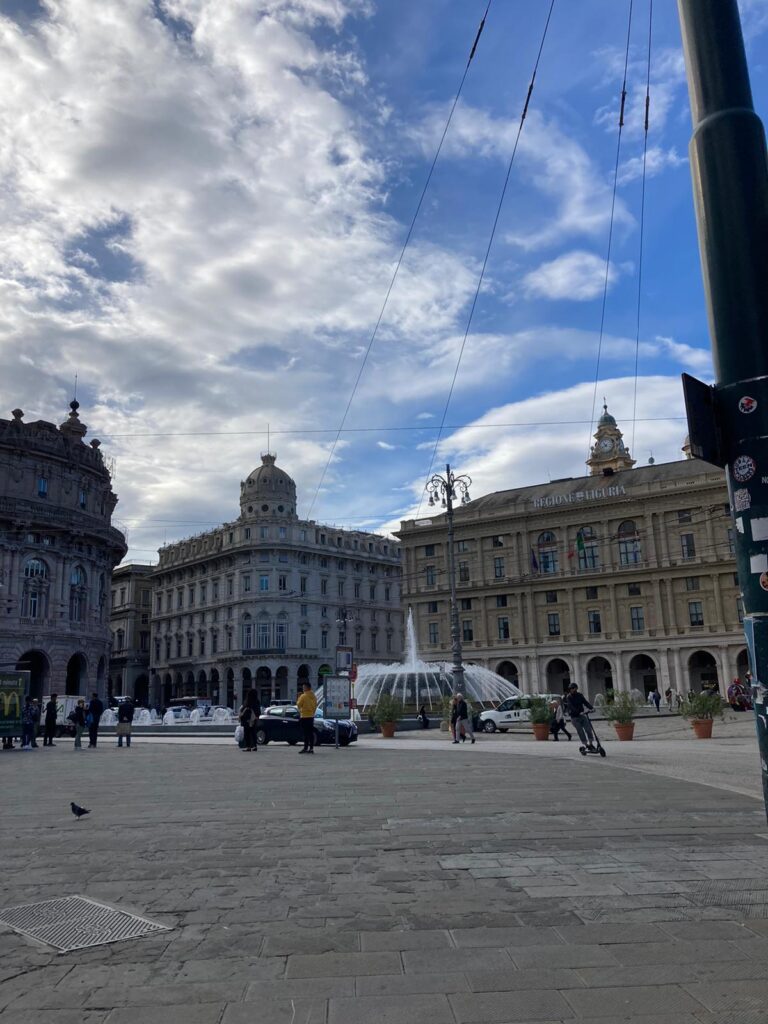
539,709
387,709
702,706
622,711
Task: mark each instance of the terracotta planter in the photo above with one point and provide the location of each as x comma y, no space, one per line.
703,728
388,730
540,730
626,731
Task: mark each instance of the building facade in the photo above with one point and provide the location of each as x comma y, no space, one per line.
129,621
264,601
624,579
57,552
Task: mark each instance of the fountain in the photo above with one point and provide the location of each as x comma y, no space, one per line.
142,717
108,717
418,682
223,716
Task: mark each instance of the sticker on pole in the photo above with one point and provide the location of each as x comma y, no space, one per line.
764,580
747,404
744,468
741,500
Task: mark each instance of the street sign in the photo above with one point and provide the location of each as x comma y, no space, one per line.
336,692
344,657
12,687
353,673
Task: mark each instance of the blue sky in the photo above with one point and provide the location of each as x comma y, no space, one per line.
204,201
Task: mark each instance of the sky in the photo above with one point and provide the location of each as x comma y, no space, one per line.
204,202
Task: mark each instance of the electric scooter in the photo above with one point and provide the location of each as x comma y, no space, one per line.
596,748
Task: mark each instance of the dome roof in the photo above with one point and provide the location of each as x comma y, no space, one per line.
606,420
268,489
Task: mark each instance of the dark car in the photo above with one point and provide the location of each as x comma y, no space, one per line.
281,725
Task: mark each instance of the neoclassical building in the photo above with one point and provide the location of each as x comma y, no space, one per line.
57,552
131,607
623,579
266,600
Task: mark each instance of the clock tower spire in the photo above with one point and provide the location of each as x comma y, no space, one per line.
609,451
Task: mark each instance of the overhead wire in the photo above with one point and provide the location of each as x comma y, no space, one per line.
491,238
611,222
398,264
642,219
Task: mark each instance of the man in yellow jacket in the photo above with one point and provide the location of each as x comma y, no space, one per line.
307,705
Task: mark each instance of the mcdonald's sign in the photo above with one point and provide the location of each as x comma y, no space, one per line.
12,687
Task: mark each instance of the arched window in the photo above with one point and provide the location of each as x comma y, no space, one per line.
586,546
119,640
36,569
34,599
547,545
630,552
77,594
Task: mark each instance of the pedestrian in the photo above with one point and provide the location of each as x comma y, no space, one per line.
455,727
668,697
78,721
27,724
307,705
423,718
576,704
656,698
36,716
125,714
464,717
557,720
51,714
249,719
92,719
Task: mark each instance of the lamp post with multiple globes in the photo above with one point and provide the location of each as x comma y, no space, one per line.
443,490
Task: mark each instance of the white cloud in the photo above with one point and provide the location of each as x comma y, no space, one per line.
577,275
387,447
553,439
692,358
657,161
547,158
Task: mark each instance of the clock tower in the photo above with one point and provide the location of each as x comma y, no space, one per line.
609,451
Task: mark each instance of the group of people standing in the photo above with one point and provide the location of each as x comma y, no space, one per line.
83,716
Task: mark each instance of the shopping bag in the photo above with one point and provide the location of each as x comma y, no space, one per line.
239,734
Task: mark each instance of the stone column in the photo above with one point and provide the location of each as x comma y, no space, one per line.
682,683
726,670
614,610
651,556
621,674
719,617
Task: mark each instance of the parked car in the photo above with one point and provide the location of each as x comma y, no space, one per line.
281,725
509,712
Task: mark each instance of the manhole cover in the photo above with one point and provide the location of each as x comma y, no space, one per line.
75,922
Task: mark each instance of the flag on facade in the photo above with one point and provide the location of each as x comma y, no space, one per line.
534,562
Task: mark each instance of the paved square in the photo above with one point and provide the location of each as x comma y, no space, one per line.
390,885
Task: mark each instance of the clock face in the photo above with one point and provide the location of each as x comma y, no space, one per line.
606,445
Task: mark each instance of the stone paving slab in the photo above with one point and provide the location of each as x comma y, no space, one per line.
332,900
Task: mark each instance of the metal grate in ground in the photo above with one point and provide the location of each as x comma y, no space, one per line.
76,922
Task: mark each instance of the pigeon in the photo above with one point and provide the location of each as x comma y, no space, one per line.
78,811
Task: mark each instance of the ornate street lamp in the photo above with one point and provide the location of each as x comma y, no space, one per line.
443,490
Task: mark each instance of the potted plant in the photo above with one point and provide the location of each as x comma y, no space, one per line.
387,712
540,717
700,709
622,713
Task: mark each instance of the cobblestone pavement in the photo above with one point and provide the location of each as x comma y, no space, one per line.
381,885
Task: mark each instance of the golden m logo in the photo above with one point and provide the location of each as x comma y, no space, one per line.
10,700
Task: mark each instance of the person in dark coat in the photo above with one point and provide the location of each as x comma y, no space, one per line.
423,717
27,724
576,704
125,714
35,720
49,726
78,721
249,719
93,717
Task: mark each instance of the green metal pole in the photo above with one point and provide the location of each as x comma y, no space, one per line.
730,187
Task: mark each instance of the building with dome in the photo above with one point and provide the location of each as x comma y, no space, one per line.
622,579
58,548
265,601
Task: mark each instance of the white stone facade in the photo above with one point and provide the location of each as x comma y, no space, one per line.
621,581
57,552
264,601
